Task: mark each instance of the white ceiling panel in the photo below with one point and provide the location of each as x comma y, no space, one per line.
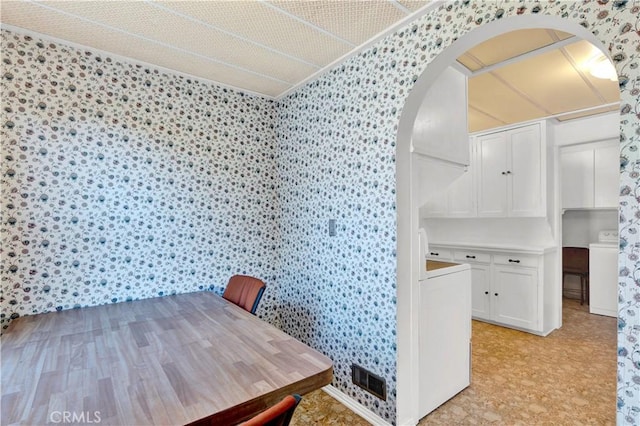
479,120
354,21
509,45
414,5
490,95
564,92
264,25
583,54
187,36
81,32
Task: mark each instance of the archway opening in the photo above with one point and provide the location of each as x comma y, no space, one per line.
408,203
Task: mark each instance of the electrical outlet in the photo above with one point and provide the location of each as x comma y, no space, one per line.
332,227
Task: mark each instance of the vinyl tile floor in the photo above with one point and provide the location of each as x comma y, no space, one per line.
566,378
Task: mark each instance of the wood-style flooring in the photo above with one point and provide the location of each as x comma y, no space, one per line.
566,378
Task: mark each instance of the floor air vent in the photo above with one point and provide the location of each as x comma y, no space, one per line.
369,381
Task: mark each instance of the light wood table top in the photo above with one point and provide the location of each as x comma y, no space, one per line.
189,358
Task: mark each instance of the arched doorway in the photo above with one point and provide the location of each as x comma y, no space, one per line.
407,215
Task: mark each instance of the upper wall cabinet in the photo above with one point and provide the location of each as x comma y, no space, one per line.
458,200
440,130
511,172
590,174
506,178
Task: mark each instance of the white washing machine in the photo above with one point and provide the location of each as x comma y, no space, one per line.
603,274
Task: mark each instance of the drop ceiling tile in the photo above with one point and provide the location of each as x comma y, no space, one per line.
187,36
561,35
583,54
346,19
551,80
414,5
255,21
510,45
486,93
76,31
479,121
470,62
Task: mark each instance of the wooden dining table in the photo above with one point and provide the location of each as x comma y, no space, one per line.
192,358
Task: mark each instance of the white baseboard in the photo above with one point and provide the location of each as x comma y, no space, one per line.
356,407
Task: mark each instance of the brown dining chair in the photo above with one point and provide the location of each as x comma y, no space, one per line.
277,415
244,291
575,261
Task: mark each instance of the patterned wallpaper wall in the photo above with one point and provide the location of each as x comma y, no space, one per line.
337,139
121,182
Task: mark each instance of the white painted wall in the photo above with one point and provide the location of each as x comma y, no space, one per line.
581,227
589,129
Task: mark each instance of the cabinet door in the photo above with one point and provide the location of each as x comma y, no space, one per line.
577,179
433,133
526,187
480,286
492,168
436,206
514,296
607,176
460,196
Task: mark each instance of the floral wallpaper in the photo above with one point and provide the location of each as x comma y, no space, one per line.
337,138
122,182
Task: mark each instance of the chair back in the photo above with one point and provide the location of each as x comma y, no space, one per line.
277,415
575,259
244,291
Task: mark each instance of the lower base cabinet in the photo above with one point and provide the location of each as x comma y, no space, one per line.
480,290
507,287
515,296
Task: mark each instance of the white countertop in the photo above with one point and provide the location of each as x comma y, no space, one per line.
440,271
604,245
495,247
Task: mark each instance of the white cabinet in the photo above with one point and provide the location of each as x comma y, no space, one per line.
515,296
507,285
492,169
506,178
440,253
590,175
436,206
511,172
457,200
480,291
460,197
577,178
606,176
480,264
433,132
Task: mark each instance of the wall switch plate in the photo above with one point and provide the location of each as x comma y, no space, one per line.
332,227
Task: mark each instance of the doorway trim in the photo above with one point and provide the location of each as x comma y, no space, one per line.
407,214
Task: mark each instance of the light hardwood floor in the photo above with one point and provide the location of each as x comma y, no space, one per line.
567,378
